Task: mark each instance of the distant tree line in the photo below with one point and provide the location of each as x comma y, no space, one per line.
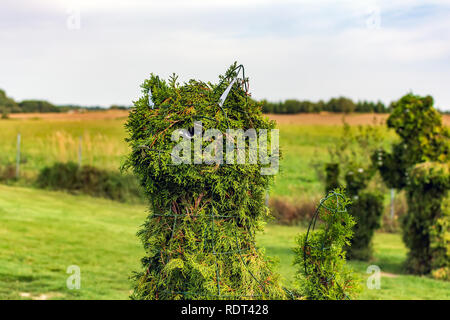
290,106
9,105
340,104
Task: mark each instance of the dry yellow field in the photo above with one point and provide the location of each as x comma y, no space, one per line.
323,118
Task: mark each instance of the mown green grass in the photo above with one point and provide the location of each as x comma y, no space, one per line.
44,232
389,256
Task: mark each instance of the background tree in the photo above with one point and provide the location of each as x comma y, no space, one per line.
426,227
423,139
320,254
352,153
7,105
37,106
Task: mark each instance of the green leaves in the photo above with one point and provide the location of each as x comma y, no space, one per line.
423,138
426,227
200,234
322,273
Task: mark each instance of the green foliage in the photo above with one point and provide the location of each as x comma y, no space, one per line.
320,255
355,147
366,209
37,106
350,155
7,104
420,127
426,227
200,235
5,115
88,180
353,153
7,172
393,166
340,104
419,163
331,176
423,138
356,180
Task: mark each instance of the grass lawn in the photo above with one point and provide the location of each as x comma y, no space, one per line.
389,256
42,233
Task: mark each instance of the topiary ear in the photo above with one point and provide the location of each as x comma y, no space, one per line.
156,91
428,101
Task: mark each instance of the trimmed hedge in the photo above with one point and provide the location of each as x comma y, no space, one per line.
426,226
331,176
199,238
89,180
320,254
367,210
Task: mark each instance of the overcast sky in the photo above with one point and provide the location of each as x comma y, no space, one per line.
98,52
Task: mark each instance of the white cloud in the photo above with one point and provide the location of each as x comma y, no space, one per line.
291,49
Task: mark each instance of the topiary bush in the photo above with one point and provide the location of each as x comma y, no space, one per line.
320,256
357,179
425,142
331,176
426,226
366,208
420,128
199,237
423,137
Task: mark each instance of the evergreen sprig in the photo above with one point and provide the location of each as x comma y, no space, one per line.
199,237
320,256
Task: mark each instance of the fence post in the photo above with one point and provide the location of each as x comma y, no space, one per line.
392,203
18,157
80,151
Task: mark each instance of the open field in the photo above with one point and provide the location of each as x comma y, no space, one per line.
45,232
42,232
94,115
323,118
55,137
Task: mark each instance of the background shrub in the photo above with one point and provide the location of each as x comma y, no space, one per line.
423,138
320,255
288,212
7,172
426,226
331,176
366,209
89,180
